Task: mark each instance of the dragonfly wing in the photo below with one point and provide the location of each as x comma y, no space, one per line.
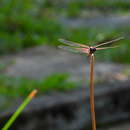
76,50
114,40
103,48
74,44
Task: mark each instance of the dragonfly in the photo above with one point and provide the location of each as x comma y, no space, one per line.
89,50
82,48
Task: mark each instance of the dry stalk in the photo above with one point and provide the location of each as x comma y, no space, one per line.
92,109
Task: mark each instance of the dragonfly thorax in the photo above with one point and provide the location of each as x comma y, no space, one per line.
92,49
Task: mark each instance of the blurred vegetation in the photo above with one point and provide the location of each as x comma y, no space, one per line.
15,87
76,8
29,23
22,26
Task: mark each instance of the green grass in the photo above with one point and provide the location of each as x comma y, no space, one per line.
27,33
19,110
22,26
53,31
76,8
117,4
16,87
34,32
26,25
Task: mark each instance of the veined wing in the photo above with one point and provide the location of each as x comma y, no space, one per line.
74,44
105,43
103,48
75,49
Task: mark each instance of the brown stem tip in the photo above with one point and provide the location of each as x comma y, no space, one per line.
33,93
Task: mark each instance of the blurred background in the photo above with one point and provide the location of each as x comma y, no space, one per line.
30,59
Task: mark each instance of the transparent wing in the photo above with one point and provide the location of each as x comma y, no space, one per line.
105,43
74,44
76,50
103,48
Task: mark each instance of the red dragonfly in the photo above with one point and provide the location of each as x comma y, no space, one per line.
89,50
77,47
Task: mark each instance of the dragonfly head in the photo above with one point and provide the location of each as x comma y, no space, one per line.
92,49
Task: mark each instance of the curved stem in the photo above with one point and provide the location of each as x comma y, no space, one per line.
92,92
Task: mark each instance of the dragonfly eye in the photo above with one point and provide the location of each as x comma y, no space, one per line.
92,49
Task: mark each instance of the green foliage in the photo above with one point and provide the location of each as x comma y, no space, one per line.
22,27
25,24
25,32
76,8
21,86
117,4
56,82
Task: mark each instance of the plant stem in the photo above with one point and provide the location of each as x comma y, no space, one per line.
92,92
19,110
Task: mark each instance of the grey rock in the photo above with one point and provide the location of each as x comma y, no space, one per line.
70,111
99,21
42,61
